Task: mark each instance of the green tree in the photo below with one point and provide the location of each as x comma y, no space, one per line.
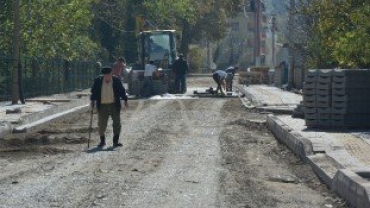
109,26
6,26
52,28
196,19
341,33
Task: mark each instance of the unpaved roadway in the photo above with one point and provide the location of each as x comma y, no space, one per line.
207,152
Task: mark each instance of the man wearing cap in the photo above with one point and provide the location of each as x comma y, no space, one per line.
106,92
180,67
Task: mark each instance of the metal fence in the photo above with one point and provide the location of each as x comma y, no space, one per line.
42,77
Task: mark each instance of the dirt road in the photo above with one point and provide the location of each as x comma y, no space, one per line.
177,153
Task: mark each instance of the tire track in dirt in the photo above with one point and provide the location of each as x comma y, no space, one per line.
187,176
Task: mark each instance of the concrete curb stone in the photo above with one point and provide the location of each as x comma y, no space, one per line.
348,184
352,187
39,124
50,111
324,168
247,95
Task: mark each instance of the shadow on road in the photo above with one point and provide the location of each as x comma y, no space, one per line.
99,149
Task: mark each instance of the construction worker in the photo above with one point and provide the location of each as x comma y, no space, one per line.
180,68
231,69
105,94
119,68
219,77
150,68
230,76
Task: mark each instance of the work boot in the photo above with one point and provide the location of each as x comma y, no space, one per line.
102,141
115,141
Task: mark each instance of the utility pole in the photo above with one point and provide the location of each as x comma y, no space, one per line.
291,43
258,20
273,29
208,57
16,34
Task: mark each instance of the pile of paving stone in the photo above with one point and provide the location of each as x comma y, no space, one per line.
260,75
337,98
245,78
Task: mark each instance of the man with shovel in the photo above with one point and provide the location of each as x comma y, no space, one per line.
106,93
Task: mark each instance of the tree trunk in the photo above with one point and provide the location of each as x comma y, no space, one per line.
185,39
16,34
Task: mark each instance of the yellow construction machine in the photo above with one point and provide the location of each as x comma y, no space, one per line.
158,46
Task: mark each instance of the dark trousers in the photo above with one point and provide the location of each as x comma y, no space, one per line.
148,86
180,83
104,112
218,81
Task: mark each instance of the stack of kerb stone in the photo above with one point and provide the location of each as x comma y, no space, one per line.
337,98
309,99
351,98
317,97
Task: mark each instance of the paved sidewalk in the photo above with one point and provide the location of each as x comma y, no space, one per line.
340,157
270,99
35,112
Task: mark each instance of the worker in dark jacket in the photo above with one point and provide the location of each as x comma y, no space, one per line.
230,76
106,93
180,68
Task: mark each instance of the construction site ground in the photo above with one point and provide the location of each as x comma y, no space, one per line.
178,151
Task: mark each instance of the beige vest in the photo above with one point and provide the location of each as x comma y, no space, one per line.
107,95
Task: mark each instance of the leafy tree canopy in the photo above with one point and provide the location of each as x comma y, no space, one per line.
51,27
196,19
341,32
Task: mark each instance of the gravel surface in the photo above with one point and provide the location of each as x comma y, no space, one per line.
205,152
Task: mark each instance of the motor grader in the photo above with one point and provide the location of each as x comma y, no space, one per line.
158,46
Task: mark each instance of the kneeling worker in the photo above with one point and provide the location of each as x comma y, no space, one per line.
106,93
219,77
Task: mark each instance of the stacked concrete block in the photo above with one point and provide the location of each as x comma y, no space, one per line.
323,97
260,75
245,78
337,98
309,98
299,111
351,98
